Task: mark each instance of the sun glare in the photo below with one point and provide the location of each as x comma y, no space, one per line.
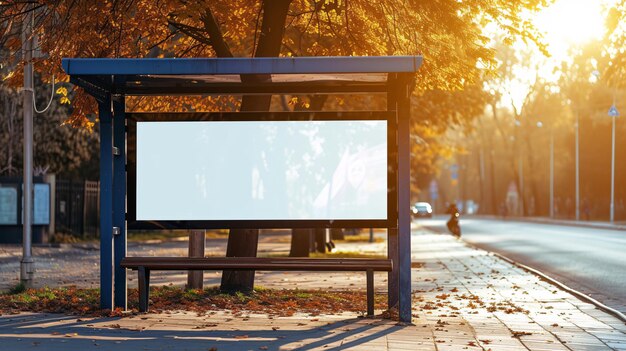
571,22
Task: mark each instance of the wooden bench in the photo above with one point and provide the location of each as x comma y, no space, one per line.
144,265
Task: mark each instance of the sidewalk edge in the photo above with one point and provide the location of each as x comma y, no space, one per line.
581,224
615,313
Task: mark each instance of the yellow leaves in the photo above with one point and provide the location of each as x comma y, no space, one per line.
63,92
294,101
9,75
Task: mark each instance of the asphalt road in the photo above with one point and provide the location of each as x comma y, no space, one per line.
592,261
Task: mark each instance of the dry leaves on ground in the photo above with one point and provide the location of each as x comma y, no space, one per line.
169,298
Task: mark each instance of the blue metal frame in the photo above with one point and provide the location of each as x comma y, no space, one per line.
106,204
404,198
119,200
259,65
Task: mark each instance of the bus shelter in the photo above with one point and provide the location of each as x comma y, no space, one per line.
123,203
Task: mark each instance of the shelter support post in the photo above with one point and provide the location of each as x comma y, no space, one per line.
119,200
392,232
370,292
106,203
404,198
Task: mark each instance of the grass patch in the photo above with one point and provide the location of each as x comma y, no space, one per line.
260,288
17,289
345,254
337,254
276,302
164,235
360,238
64,238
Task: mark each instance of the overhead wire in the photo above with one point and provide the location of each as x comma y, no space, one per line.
49,101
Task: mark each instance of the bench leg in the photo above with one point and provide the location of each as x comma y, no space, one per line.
370,293
144,288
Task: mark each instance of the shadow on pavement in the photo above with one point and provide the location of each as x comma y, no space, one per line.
60,332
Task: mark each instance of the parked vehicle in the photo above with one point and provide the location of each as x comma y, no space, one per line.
422,209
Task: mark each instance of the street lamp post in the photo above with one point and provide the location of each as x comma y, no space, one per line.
613,169
577,166
613,114
521,184
520,170
551,173
27,262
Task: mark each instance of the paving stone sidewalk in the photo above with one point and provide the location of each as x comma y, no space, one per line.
465,299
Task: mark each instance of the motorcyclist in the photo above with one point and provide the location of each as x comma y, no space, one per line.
452,210
453,222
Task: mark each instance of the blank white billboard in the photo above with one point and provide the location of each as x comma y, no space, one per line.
278,170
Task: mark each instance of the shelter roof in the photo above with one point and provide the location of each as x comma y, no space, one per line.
263,75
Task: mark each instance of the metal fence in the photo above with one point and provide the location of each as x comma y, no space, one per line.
77,207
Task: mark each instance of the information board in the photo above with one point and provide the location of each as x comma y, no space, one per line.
261,170
8,204
41,204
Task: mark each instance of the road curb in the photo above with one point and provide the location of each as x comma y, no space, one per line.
581,224
615,313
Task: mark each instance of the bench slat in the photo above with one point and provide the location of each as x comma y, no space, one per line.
258,263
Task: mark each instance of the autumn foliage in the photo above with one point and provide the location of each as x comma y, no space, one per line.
81,301
448,33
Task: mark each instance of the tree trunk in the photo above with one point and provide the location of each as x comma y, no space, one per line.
243,242
539,206
320,240
197,243
492,181
300,242
336,234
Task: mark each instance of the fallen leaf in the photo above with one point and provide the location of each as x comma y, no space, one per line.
518,334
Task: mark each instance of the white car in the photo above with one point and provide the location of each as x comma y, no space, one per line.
422,209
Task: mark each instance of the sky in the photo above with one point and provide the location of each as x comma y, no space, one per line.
571,22
565,24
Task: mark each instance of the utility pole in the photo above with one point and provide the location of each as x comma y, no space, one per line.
577,165
551,172
613,113
613,170
27,267
520,170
